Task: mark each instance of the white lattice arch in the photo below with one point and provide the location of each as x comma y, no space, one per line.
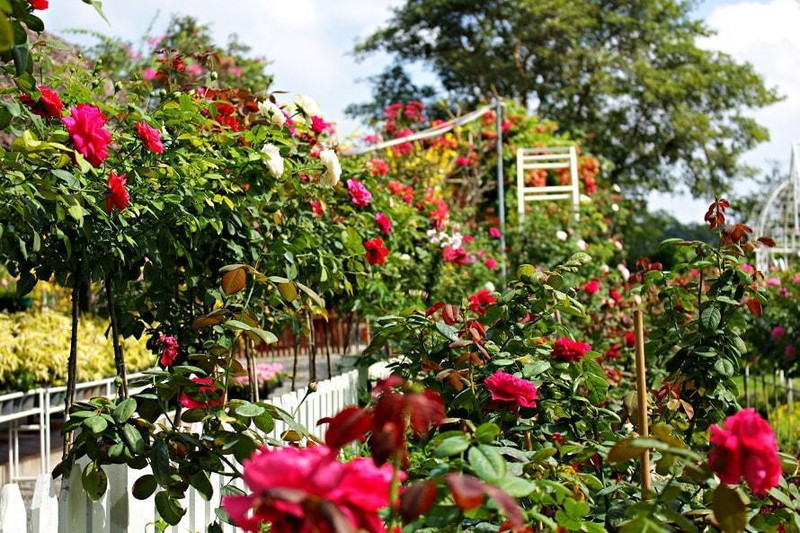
779,218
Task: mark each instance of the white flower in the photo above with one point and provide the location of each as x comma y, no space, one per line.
275,161
581,244
456,240
614,207
307,104
618,245
489,286
605,268
624,271
561,235
585,199
616,188
405,257
333,170
272,112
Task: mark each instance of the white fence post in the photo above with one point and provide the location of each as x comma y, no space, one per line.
13,517
44,507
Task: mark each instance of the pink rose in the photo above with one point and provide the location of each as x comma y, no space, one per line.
490,263
85,126
778,332
169,351
495,232
746,447
358,193
308,489
378,167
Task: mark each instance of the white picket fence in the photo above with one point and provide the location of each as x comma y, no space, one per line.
68,510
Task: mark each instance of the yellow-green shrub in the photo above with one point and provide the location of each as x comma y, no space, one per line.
34,347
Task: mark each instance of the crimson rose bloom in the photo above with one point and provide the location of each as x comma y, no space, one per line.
150,136
85,127
746,447
591,287
169,352
360,195
479,301
39,4
308,489
117,196
376,251
49,104
511,392
384,223
569,350
207,395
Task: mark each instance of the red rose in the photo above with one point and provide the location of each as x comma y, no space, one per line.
49,104
376,251
207,395
39,4
746,447
630,339
511,392
455,255
384,223
569,350
378,167
316,208
591,287
150,136
85,126
479,301
169,352
117,196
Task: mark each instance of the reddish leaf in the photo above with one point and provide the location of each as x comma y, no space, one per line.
349,424
426,410
754,306
451,314
233,281
767,241
435,307
516,520
468,492
387,440
417,500
387,384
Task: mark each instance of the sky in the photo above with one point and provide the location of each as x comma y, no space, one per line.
309,43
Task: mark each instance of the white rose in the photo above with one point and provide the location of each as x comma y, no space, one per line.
272,112
275,161
561,235
624,271
581,244
307,104
489,286
333,170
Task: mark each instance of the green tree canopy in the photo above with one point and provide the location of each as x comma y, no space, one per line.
628,76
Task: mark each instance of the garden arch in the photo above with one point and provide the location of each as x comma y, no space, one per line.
779,218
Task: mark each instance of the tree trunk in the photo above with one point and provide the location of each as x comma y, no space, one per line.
119,357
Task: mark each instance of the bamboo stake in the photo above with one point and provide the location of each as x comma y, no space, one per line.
119,356
72,362
641,398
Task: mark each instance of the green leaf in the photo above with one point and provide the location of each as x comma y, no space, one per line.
487,463
249,410
516,487
724,367
263,335
199,480
730,508
643,525
160,462
144,487
94,481
133,438
6,33
96,424
169,509
76,212
623,451
451,446
486,432
264,422
710,317
124,410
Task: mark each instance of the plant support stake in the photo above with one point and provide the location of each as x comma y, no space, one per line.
641,399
